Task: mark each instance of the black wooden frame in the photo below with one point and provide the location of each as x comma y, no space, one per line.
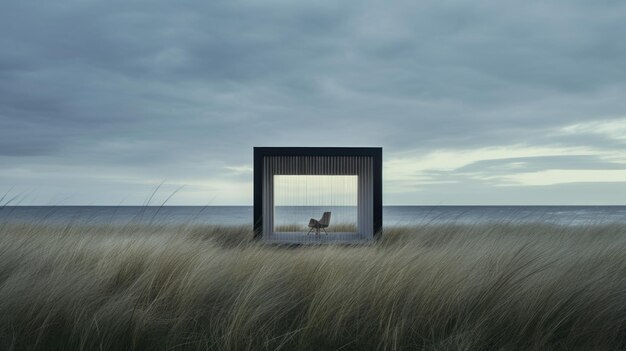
376,153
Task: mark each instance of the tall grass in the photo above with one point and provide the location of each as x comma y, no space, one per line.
437,287
333,228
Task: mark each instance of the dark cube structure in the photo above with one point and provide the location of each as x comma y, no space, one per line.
363,162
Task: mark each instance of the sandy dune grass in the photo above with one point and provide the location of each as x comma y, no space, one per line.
445,287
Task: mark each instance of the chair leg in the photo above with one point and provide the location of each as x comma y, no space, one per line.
325,231
310,230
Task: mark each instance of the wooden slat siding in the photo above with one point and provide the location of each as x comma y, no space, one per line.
377,196
258,193
266,191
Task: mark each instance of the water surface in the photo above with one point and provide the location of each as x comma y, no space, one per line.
242,215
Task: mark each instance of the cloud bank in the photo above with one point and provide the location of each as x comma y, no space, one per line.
474,103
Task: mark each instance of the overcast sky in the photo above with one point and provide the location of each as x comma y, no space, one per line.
474,102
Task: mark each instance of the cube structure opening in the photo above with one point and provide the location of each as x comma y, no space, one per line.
317,194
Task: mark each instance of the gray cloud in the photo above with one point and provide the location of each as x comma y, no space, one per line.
142,92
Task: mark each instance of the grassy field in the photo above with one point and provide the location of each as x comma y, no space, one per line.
439,287
335,227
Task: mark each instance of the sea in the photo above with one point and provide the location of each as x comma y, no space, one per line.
242,215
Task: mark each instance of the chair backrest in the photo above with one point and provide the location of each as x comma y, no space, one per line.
325,220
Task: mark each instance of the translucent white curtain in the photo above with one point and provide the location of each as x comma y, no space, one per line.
308,195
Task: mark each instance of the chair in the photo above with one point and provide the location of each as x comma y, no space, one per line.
316,225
